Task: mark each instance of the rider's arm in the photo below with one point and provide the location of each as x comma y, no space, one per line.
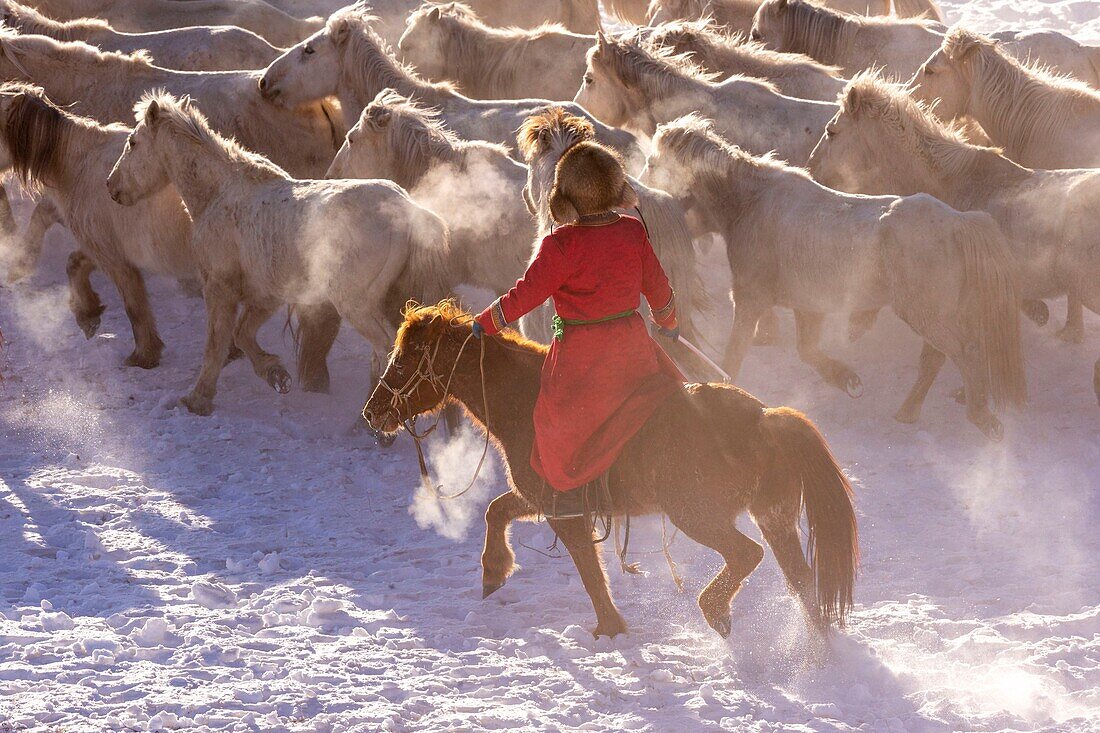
657,291
546,273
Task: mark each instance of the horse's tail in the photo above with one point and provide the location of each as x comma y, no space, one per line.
929,9
992,296
832,545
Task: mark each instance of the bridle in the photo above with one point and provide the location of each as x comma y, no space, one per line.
426,373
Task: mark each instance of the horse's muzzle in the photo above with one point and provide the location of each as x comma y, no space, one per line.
382,419
267,90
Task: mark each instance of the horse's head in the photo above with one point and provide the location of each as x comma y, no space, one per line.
542,139
140,171
603,91
769,23
391,140
422,365
422,42
668,11
850,149
311,70
945,78
683,152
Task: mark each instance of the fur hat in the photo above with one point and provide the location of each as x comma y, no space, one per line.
589,179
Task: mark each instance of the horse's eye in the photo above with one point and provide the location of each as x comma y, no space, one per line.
754,35
307,50
589,80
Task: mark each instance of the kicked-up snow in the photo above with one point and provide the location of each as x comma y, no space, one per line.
269,568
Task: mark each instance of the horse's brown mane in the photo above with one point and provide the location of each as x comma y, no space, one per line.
448,312
529,137
34,132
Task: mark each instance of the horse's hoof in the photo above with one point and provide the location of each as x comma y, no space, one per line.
1036,311
197,404
907,416
610,629
89,324
1071,334
853,386
142,361
279,379
992,428
722,625
488,589
960,395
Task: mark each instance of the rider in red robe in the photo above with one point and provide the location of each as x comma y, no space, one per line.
604,375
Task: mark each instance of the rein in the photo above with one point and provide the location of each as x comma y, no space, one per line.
426,372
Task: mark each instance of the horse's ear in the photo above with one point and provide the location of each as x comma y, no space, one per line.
628,197
781,5
853,99
339,30
601,41
152,112
380,116
435,13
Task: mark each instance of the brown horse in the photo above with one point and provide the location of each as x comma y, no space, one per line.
707,454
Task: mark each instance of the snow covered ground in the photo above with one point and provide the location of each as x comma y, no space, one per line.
268,569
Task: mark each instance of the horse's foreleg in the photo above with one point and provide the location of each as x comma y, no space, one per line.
221,305
266,365
44,216
84,302
131,286
498,562
576,535
715,529
1074,330
767,328
931,360
860,322
746,315
836,373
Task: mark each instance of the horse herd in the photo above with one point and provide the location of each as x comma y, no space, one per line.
342,165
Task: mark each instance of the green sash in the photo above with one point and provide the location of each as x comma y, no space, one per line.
558,324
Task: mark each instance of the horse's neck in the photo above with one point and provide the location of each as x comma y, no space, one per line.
688,95
356,90
198,173
81,142
511,382
112,87
69,9
1011,116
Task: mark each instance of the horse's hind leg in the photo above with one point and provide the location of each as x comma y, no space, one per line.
746,315
1074,330
131,286
576,535
931,361
318,327
1036,311
832,371
266,365
498,561
860,322
84,302
780,531
717,531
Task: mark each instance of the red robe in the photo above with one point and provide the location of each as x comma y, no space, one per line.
601,381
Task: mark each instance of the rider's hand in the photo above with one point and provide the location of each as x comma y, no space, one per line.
477,330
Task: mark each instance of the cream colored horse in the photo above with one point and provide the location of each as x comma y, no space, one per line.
628,85
897,46
475,186
67,158
1039,120
725,54
107,85
348,60
795,243
578,16
140,16
737,15
883,141
543,139
263,239
450,43
200,48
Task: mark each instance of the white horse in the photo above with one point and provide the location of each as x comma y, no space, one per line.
140,16
475,186
898,46
1038,119
737,15
348,60
725,54
578,16
793,242
883,141
198,48
263,239
450,43
66,158
106,86
628,85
